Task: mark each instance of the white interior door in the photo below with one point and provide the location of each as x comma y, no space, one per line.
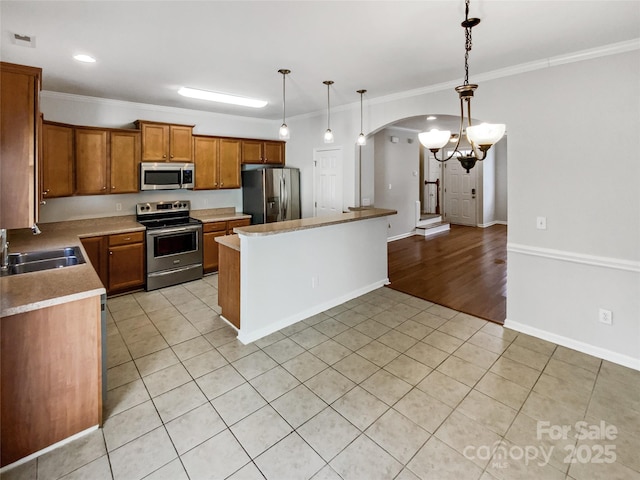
327,181
459,193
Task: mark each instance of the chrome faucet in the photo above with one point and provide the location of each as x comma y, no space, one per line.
5,248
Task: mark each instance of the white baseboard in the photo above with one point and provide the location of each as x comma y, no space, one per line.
589,349
399,237
491,224
310,312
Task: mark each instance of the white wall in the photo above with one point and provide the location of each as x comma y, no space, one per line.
79,110
396,186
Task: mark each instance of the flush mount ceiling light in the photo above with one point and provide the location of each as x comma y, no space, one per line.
481,137
362,140
284,130
221,97
81,57
328,134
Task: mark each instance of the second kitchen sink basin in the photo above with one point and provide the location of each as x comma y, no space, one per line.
44,260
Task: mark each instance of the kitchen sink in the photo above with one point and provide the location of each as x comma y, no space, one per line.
43,260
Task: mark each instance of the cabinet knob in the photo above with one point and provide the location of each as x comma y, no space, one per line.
221,184
215,184
113,187
110,252
172,155
104,188
42,202
164,156
45,192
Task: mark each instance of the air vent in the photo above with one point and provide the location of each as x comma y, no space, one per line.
24,40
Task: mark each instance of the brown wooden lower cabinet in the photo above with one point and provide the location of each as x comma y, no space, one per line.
51,384
118,260
96,249
210,249
126,261
229,284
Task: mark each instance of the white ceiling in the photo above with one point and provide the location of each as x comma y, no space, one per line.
146,50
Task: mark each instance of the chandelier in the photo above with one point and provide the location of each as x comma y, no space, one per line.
481,137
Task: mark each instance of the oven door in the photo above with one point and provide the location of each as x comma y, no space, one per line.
173,247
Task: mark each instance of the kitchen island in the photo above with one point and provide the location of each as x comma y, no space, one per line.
276,274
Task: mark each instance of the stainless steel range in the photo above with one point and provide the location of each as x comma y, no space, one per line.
174,243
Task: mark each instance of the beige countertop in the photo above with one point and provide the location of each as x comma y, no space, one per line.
231,241
313,222
31,291
217,215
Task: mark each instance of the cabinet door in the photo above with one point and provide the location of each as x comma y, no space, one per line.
231,224
126,267
210,250
57,161
95,247
274,153
91,161
155,142
181,143
125,162
230,165
205,157
230,151
18,115
252,151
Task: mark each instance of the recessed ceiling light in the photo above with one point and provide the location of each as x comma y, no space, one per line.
221,97
431,117
84,58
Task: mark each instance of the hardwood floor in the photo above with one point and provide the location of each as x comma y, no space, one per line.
464,269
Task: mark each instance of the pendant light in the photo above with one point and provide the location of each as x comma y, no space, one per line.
284,130
362,140
481,137
328,135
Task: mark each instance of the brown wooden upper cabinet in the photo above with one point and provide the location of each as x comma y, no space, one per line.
125,161
92,167
106,160
263,151
164,142
57,161
217,162
19,142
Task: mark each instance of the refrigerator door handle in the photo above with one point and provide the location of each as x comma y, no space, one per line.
285,198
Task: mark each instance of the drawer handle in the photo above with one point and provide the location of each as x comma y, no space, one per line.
128,238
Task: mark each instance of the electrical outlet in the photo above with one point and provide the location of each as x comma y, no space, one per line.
118,207
541,223
605,316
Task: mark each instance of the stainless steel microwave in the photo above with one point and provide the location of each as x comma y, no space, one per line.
166,176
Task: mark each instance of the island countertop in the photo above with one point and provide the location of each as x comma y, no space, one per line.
312,222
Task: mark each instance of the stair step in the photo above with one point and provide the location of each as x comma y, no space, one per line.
429,221
432,229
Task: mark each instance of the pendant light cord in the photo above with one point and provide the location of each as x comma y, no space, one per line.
284,102
328,108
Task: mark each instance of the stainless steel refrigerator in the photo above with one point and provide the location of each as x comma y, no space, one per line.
271,194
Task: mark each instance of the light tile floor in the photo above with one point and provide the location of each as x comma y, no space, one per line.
386,386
